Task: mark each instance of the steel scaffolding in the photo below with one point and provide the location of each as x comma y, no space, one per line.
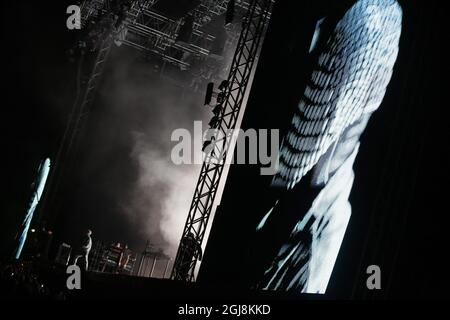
254,25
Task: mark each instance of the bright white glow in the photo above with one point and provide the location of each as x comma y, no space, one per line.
43,171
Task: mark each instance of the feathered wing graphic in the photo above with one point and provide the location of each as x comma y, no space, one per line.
350,78
348,83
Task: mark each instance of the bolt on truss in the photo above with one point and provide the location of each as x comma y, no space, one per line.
254,25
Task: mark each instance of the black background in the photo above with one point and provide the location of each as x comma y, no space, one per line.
399,199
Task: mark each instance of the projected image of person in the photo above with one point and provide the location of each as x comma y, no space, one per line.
353,60
83,250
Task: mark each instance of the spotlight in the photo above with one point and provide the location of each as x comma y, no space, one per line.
214,122
221,97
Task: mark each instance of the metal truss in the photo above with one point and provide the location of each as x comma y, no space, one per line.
254,25
77,118
142,29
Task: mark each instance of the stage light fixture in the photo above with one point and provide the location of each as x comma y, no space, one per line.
223,85
185,31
